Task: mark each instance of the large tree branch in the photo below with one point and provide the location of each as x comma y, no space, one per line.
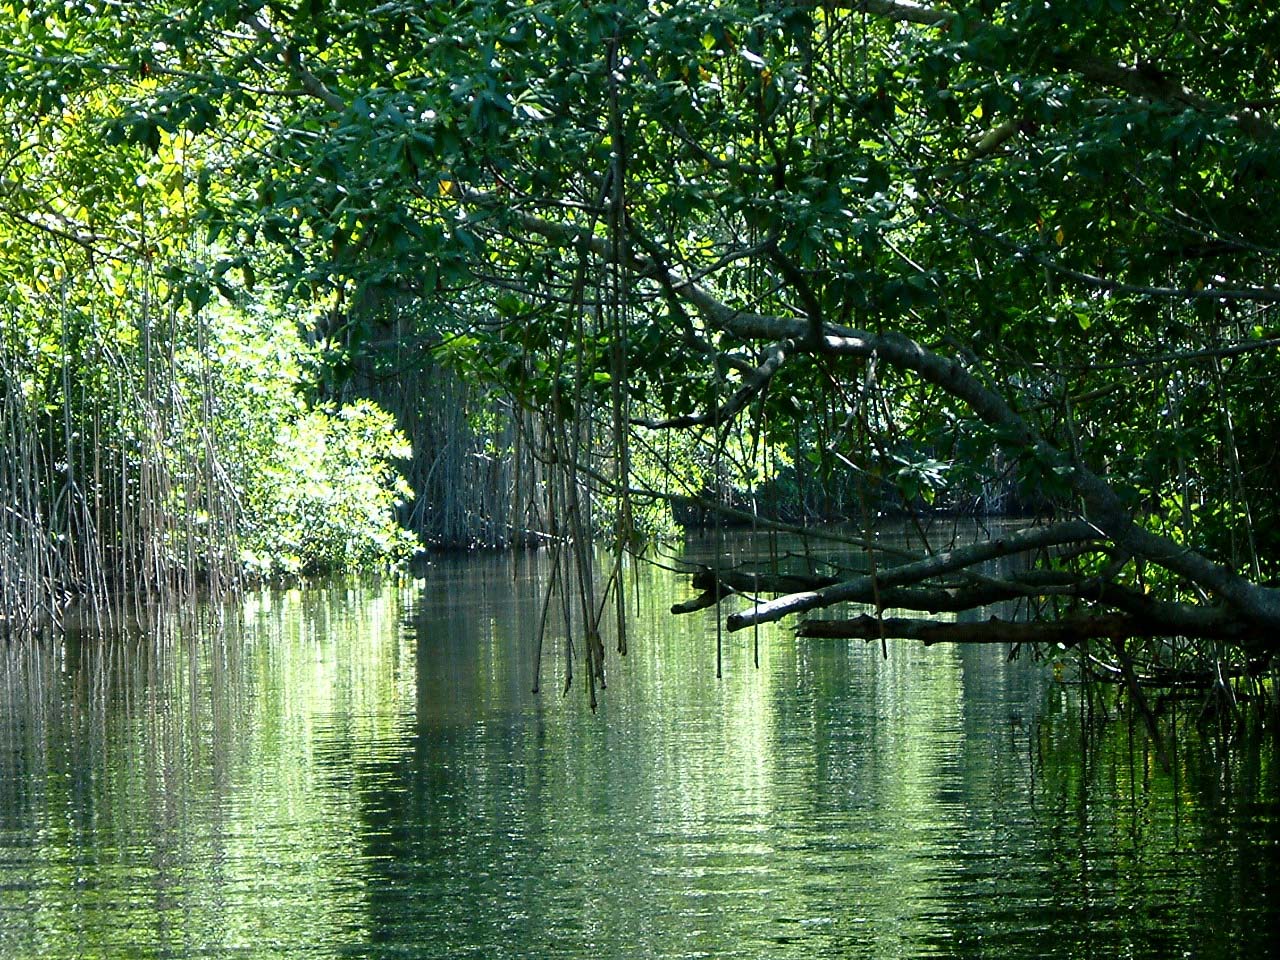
1068,632
943,599
775,356
1168,617
1103,507
310,83
962,558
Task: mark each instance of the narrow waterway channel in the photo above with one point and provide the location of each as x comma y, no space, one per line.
361,770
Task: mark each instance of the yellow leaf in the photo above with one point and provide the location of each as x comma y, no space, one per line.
1059,236
446,188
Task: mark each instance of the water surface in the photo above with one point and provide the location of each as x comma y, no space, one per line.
361,770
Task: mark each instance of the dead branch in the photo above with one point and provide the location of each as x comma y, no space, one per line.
1067,633
906,574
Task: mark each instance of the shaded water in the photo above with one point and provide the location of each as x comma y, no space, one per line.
361,771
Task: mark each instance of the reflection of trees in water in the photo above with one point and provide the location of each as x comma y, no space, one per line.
330,776
1133,840
163,795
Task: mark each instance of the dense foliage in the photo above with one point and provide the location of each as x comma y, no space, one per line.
905,254
155,441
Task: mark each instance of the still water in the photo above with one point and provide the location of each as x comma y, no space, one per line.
361,770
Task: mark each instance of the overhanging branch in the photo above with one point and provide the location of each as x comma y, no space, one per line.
775,356
962,558
1104,510
1067,633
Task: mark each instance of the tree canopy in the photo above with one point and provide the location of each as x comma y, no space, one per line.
918,252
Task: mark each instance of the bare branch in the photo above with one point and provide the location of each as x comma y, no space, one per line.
1067,633
293,60
961,558
776,355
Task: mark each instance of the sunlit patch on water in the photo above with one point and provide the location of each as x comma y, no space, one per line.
361,771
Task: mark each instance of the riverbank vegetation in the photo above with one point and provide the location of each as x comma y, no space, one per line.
157,445
152,454
610,263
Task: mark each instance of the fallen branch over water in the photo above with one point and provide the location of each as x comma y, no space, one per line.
1067,632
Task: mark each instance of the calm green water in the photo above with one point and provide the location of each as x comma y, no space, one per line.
361,771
